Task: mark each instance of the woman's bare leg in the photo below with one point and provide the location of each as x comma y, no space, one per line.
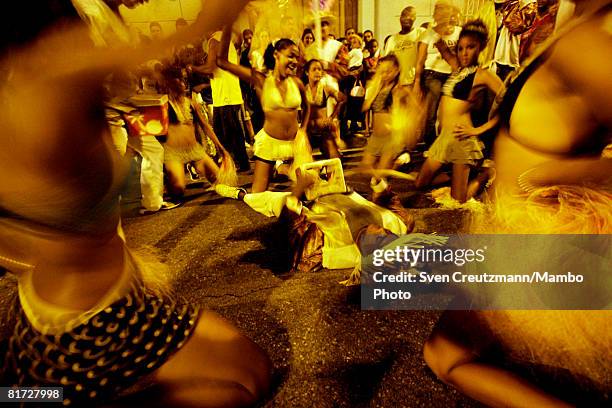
208,168
368,161
427,172
330,148
456,364
261,176
475,185
176,178
459,182
217,367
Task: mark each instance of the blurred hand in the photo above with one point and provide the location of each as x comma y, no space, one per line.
417,93
304,179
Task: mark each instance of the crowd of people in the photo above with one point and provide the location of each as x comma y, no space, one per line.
337,89
209,101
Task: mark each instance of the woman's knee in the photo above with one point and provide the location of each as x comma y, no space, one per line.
253,370
176,187
436,357
432,357
443,355
421,181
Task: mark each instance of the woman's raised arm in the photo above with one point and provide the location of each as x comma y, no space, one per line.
244,73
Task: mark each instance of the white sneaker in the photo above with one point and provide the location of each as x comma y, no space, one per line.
402,159
228,191
166,205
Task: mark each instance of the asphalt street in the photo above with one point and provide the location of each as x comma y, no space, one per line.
326,351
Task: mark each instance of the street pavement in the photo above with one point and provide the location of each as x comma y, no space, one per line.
326,351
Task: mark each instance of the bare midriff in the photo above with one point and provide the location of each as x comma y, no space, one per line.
382,123
181,135
318,113
453,112
281,124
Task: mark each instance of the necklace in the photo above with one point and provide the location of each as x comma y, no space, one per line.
183,110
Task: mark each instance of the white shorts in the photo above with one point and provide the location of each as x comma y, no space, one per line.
270,149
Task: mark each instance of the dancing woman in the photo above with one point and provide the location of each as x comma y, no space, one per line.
381,93
458,140
322,126
555,120
282,95
181,146
88,318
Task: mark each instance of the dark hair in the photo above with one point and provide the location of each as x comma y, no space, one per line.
391,58
247,31
170,73
370,43
386,39
368,31
307,31
478,29
180,21
307,68
154,24
279,45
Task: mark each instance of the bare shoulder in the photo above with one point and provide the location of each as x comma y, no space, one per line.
257,78
485,77
299,83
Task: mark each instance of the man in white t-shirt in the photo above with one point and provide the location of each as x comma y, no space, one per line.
107,29
329,46
404,46
432,68
227,102
327,54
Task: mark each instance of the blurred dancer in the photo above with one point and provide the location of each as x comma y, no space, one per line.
382,92
181,146
555,121
90,317
321,126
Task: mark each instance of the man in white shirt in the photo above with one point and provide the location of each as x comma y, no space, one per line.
432,69
329,46
107,29
227,103
328,54
404,46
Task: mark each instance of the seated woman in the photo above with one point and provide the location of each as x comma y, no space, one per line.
91,317
457,142
181,146
555,122
323,128
282,95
